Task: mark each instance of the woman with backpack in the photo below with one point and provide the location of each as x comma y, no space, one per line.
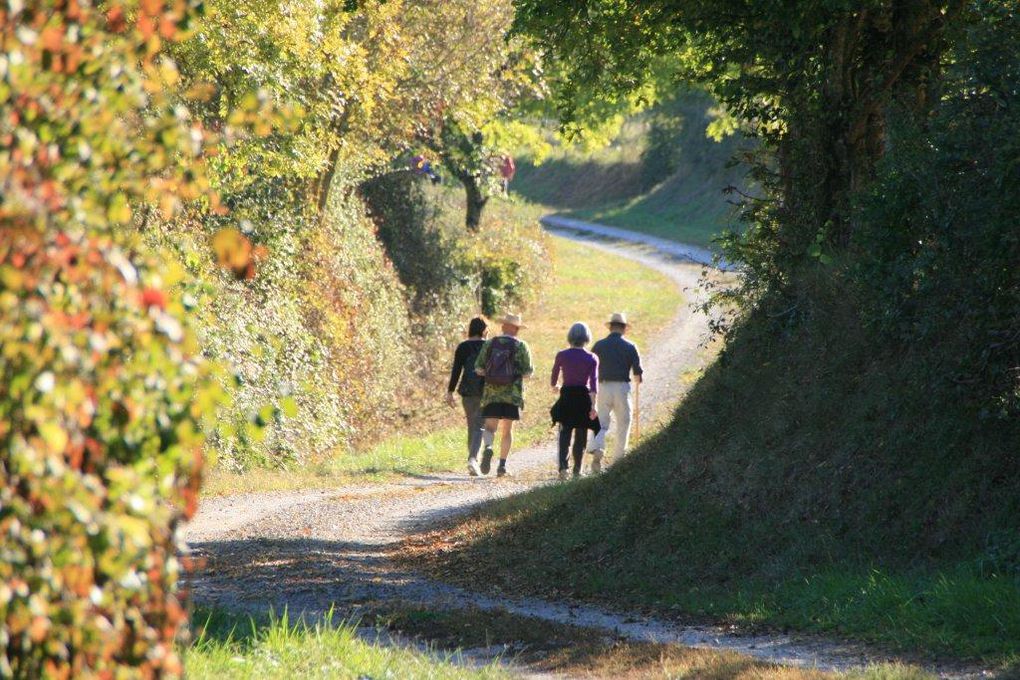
504,362
468,384
575,409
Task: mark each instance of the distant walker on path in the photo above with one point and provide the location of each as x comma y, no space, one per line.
504,362
469,385
619,359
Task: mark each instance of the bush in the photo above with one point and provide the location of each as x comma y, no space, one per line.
428,259
938,243
100,392
102,388
407,224
319,342
506,261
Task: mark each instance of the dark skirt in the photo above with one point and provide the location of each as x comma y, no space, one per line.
573,409
502,411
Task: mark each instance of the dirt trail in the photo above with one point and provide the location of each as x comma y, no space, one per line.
310,551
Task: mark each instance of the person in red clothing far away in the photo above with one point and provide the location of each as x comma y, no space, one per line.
507,169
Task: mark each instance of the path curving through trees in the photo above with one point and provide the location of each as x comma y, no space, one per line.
315,550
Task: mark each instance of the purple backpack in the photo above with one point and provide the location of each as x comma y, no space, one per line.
501,365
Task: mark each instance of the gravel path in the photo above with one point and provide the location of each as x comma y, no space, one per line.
310,551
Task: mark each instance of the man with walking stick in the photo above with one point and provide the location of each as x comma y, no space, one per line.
619,359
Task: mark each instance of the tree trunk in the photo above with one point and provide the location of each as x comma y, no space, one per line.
862,82
323,183
476,201
325,180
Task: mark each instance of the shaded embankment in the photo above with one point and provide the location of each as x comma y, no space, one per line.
807,481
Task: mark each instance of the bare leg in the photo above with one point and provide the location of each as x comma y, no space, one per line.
489,435
506,439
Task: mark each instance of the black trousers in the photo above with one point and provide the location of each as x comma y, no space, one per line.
580,435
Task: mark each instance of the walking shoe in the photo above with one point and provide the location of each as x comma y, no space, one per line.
563,475
473,469
577,474
486,460
501,471
596,461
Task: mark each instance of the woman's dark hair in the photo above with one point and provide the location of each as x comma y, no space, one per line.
476,327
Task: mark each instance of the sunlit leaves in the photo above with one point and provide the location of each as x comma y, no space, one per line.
99,446
73,83
102,389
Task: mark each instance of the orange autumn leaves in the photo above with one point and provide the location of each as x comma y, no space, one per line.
235,253
99,399
104,395
74,78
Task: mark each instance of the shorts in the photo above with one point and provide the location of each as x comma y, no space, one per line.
501,410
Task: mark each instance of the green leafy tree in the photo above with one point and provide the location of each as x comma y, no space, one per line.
813,80
332,71
470,85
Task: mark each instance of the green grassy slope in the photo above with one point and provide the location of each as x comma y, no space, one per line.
806,482
669,184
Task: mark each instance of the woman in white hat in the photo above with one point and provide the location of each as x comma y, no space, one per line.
504,362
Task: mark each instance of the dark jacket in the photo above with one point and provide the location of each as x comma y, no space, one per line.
618,357
463,370
573,409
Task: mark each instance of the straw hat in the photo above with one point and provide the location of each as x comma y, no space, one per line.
617,317
513,320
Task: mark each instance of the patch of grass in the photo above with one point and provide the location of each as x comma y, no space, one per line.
585,285
808,482
228,646
612,185
948,611
562,649
681,209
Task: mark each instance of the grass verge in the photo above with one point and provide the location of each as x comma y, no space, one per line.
680,209
667,185
573,651
228,646
586,284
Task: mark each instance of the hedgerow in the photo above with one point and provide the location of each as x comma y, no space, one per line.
101,393
102,387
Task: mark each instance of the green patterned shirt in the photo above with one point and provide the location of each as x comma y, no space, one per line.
514,392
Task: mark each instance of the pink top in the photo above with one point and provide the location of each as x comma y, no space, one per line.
579,366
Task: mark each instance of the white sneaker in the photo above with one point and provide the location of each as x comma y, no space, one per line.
596,461
473,468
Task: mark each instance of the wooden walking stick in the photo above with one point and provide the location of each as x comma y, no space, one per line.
637,411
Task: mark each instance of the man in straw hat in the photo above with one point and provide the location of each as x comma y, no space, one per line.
618,360
504,362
